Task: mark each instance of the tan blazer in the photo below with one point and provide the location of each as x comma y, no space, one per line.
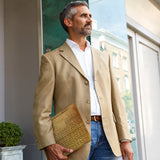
63,80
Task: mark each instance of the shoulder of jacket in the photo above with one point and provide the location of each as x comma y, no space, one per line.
54,53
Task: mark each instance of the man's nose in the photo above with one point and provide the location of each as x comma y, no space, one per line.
89,19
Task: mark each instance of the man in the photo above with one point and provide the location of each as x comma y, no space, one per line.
78,73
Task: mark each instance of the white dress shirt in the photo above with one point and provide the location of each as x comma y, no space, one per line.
85,60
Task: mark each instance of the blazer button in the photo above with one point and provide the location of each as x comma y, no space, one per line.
86,82
88,101
88,121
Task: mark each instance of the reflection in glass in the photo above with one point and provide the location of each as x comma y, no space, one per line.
110,35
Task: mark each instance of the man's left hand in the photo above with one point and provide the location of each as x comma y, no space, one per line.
126,150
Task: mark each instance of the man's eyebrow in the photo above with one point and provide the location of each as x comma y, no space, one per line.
85,14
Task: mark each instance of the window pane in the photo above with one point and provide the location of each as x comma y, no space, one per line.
110,35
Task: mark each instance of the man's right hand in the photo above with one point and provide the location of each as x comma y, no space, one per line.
55,152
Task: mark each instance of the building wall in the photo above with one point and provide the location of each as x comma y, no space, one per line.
145,13
21,68
119,70
2,60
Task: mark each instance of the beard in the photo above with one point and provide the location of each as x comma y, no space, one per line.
86,31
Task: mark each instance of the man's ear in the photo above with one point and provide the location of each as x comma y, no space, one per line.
68,22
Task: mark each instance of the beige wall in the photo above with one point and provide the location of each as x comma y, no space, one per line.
21,68
144,13
1,60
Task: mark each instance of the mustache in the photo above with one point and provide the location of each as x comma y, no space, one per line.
88,24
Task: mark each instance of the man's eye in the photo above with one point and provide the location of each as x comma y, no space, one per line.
83,15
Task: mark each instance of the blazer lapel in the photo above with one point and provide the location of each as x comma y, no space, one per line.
96,61
66,52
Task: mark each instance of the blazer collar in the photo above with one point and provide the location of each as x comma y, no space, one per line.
66,52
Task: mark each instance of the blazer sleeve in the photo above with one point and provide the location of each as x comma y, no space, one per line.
118,108
42,107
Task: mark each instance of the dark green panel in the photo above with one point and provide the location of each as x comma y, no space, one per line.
53,33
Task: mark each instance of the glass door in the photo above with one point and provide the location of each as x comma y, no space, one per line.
110,35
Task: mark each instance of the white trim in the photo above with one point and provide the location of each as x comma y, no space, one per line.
138,34
145,42
151,40
159,59
133,25
40,29
40,44
136,96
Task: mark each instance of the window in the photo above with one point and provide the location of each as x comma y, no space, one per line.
125,66
102,46
115,60
118,82
145,55
126,83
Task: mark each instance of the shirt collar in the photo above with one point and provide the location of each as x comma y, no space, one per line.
73,44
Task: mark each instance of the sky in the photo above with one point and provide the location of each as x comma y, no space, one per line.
110,15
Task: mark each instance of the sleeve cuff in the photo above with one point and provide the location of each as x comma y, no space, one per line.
125,140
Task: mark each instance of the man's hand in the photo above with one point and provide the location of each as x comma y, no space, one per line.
126,150
55,152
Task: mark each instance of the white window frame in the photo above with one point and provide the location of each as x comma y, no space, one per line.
132,28
115,60
125,64
118,82
126,83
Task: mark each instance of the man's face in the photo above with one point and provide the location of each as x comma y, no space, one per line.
82,23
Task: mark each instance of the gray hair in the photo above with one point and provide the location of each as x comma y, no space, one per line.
69,12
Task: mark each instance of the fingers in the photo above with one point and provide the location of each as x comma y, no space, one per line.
62,157
126,150
130,155
67,150
55,152
123,155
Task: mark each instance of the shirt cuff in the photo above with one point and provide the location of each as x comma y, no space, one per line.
125,140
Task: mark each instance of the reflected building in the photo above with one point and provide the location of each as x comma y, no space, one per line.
119,54
118,50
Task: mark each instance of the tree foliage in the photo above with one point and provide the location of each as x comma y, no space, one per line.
128,104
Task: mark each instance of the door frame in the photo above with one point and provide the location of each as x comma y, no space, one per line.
137,33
